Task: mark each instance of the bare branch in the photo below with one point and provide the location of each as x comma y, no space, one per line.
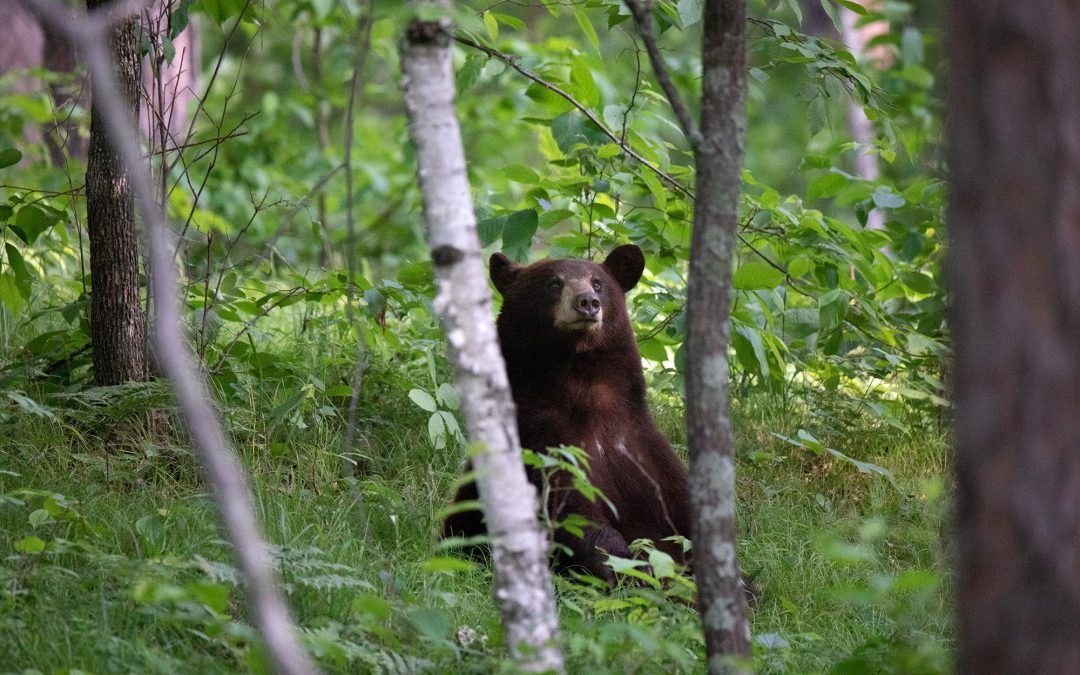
223,470
642,12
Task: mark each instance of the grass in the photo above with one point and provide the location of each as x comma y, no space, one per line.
136,577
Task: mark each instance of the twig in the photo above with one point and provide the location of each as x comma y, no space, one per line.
361,43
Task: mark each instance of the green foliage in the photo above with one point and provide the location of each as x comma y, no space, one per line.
838,339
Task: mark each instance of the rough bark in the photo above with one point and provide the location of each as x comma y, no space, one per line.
523,587
711,438
1014,224
117,324
226,477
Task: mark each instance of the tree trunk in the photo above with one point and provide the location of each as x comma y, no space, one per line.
523,585
117,325
1014,224
708,417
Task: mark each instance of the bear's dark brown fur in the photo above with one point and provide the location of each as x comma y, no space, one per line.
576,378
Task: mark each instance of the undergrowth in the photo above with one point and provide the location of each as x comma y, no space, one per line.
112,558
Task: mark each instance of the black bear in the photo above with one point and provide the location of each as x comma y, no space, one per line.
576,379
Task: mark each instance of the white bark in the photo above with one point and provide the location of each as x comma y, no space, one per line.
523,587
222,468
862,129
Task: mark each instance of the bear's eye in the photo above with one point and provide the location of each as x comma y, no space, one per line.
555,285
596,285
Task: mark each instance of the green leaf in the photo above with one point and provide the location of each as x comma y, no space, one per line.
214,596
827,186
521,174
800,266
423,399
755,276
39,517
572,128
436,429
9,157
854,6
885,198
448,396
470,71
582,84
431,623
747,341
689,12
833,14
519,229
10,294
18,267
30,222
30,545
446,564
492,26
490,229
587,28
371,605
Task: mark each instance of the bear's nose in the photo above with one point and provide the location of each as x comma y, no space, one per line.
587,304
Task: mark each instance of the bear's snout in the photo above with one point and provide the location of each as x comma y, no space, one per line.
587,304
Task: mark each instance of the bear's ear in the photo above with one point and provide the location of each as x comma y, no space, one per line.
502,271
626,263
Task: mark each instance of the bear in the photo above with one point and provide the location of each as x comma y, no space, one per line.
576,378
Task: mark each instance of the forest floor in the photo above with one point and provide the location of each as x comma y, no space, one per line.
113,559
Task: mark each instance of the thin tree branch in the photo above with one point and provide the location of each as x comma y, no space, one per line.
225,474
642,12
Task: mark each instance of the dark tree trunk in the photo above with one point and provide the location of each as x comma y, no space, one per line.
116,319
1014,219
719,154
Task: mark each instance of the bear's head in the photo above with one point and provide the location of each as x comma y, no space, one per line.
572,304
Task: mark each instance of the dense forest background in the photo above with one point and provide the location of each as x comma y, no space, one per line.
308,294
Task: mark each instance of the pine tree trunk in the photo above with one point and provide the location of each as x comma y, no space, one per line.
523,587
117,324
1014,225
716,213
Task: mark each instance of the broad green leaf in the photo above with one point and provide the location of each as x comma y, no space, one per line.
30,222
10,294
519,229
18,267
800,266
492,26
470,71
828,185
582,84
572,128
431,623
30,545
756,275
689,12
9,157
885,198
436,428
448,396
423,399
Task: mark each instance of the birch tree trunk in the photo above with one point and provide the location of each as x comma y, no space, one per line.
1014,235
718,156
117,324
114,113
523,587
